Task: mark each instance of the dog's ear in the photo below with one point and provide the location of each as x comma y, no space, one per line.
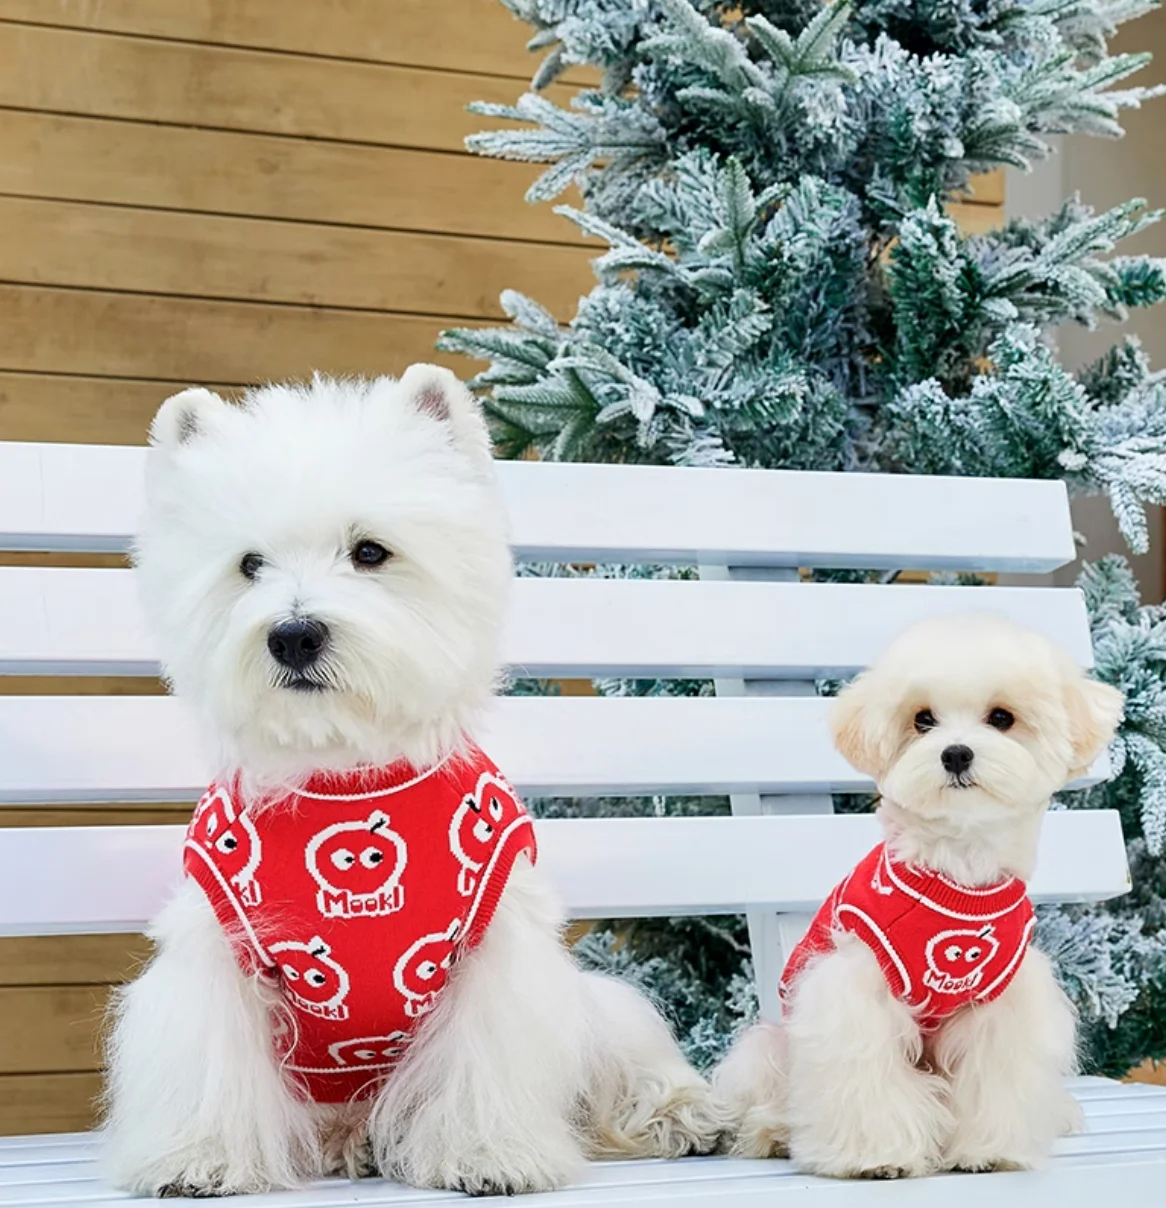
439,393
1094,712
852,726
185,416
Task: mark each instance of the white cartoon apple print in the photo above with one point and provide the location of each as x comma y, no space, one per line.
956,959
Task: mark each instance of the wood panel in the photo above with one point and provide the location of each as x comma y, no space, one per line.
35,1103
71,959
987,188
459,35
75,685
977,219
207,256
27,557
84,410
224,172
51,1029
66,71
130,335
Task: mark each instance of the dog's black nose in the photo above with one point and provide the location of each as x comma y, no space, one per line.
297,644
957,759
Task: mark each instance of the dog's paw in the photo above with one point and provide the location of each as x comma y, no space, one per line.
880,1171
184,1189
354,1160
1000,1150
689,1121
887,1172
885,1165
969,1161
762,1132
346,1150
485,1176
759,1143
986,1165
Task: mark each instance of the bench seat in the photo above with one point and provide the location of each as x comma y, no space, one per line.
1119,1159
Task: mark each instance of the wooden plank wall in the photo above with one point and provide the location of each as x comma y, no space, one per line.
224,192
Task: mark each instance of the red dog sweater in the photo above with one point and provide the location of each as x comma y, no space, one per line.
940,945
356,893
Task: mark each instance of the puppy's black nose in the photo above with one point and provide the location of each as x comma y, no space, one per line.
957,759
297,644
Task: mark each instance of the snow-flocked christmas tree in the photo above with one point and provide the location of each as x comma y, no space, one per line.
785,287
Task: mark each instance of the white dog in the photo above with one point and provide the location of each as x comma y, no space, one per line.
327,570
920,1030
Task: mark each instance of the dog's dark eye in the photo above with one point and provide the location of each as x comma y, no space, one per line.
369,553
1001,719
924,721
250,564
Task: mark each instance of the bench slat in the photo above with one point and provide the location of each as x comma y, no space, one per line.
1133,1178
1099,1164
128,749
78,497
88,622
112,879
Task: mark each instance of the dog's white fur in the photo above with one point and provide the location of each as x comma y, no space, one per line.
847,1083
527,1064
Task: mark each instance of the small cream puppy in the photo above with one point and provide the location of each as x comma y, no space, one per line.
968,725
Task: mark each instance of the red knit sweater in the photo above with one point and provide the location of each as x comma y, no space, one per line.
356,894
940,945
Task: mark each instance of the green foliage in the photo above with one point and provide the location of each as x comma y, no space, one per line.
784,286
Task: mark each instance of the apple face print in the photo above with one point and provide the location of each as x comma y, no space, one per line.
369,1052
956,959
311,979
423,967
478,824
229,838
358,867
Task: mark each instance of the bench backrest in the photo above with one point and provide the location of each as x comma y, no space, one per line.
737,625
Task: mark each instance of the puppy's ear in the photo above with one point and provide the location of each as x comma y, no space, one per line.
185,416
1094,712
852,726
439,393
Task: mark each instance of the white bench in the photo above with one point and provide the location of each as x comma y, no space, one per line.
761,739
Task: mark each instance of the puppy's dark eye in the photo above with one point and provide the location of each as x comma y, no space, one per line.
924,721
250,565
1001,719
369,553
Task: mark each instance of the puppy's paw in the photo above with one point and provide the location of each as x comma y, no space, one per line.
353,1160
658,1120
760,1138
195,1175
688,1121
985,1165
759,1131
843,1167
972,1158
886,1172
345,1147
489,1174
183,1189
1021,1145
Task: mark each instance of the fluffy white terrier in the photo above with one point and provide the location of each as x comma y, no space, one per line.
372,509
968,725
